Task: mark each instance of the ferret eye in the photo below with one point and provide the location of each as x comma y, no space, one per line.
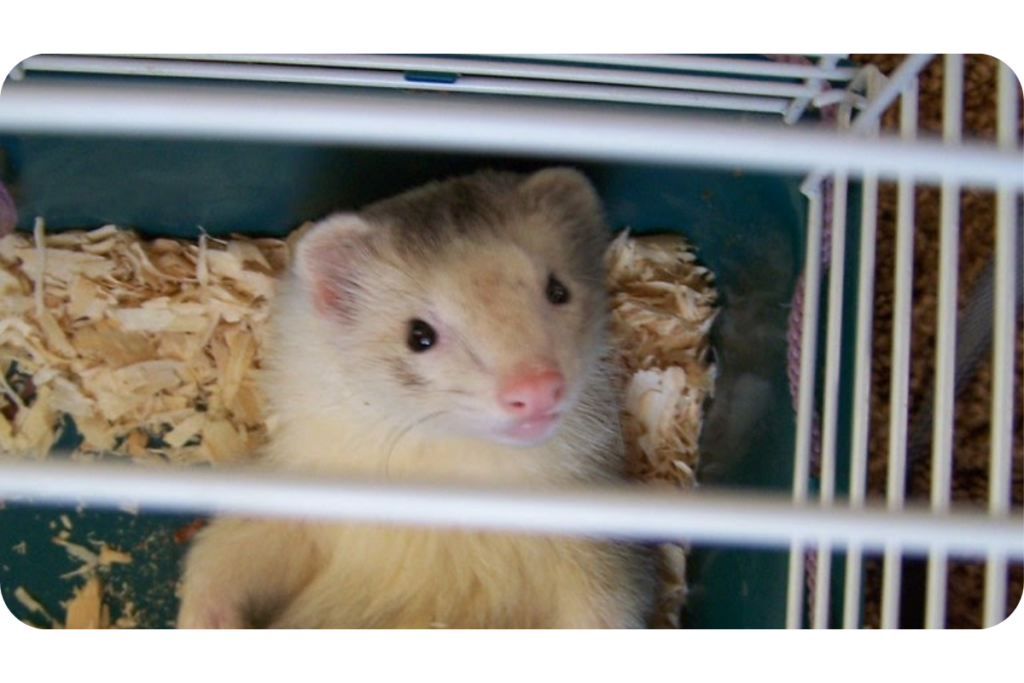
421,336
556,292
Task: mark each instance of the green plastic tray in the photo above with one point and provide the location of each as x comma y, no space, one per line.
747,228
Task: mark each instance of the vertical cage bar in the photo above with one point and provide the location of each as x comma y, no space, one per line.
805,396
862,390
795,586
1003,340
830,423
834,337
945,356
899,386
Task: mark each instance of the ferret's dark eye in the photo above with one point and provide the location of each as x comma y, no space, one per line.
557,293
421,336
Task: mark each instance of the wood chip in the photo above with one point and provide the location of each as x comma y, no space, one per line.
108,556
85,610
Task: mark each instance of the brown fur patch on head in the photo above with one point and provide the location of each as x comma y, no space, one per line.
490,204
431,218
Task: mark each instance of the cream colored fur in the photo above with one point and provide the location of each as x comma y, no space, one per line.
338,409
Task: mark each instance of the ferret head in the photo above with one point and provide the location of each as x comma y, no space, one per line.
473,306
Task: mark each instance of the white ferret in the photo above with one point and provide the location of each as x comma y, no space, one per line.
452,333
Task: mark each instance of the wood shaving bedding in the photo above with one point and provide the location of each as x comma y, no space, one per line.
152,347
129,337
663,306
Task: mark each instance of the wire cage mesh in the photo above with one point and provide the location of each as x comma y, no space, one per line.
847,536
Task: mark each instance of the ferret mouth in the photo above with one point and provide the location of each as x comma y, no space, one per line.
532,430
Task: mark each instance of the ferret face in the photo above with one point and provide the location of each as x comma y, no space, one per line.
472,307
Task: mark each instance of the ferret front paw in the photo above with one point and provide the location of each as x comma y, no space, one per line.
196,614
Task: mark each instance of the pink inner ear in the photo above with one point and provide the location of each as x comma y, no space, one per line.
328,261
328,299
333,281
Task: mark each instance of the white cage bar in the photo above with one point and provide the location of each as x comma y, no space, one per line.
623,512
543,116
1005,326
511,76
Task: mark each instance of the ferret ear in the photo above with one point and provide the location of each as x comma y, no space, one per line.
563,190
329,259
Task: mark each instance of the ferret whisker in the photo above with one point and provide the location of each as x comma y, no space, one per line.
451,392
399,434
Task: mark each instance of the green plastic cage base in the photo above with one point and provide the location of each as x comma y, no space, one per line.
747,228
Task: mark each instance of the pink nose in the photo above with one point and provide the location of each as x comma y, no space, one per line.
531,394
